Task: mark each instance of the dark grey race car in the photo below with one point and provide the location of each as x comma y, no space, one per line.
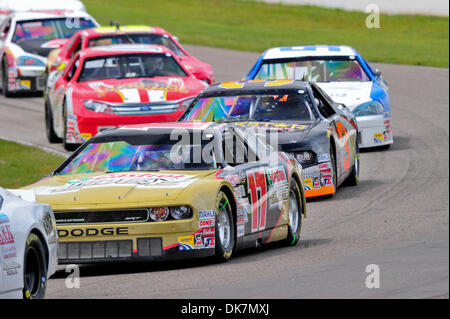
294,116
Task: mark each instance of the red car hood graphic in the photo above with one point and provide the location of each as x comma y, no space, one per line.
143,90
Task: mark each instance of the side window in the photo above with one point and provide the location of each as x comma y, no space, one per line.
323,104
76,50
73,70
234,149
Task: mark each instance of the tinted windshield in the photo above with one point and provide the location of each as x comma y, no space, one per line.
120,156
130,66
139,38
294,106
315,70
49,29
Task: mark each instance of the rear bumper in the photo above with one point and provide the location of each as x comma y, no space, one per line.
26,79
318,180
374,131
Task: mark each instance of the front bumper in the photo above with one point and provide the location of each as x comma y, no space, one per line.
374,131
148,241
26,79
318,180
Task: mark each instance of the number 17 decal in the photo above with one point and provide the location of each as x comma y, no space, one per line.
257,186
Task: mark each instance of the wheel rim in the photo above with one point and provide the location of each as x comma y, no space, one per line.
293,211
224,227
32,271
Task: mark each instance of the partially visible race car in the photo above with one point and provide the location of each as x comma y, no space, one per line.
299,118
25,42
170,191
344,75
102,36
28,245
109,86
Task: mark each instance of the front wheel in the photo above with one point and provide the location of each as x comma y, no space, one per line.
224,232
295,215
35,269
49,130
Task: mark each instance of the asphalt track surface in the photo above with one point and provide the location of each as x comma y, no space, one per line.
397,217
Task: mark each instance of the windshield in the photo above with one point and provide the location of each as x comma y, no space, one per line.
120,156
130,66
139,38
294,106
315,70
49,29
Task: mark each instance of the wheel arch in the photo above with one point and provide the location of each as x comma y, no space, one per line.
301,190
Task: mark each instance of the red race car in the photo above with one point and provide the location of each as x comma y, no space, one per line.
127,35
111,86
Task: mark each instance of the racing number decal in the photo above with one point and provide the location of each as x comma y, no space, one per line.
257,186
342,132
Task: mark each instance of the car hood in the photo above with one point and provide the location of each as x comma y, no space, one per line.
115,188
351,94
195,66
143,90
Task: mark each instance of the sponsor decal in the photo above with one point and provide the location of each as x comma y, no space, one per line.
206,223
280,126
308,183
117,179
10,268
3,218
205,238
207,214
240,230
316,182
90,232
378,138
186,242
323,157
6,237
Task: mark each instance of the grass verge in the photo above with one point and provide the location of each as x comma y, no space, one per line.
254,26
22,165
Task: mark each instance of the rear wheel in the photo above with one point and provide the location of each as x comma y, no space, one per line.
225,230
334,167
35,269
295,215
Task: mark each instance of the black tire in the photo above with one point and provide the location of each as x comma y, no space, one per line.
49,130
224,248
294,232
35,269
5,79
67,146
353,178
333,164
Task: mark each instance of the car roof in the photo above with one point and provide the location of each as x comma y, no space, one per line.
30,15
123,49
308,51
254,87
100,31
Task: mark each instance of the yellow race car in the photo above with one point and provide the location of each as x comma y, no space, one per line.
173,190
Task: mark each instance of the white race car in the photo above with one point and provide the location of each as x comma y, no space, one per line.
28,245
10,6
344,75
26,39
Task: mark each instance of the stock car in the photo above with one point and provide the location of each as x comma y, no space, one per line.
101,36
164,191
294,116
109,86
344,75
28,245
25,42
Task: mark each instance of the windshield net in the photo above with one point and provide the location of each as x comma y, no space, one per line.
121,156
251,107
139,38
49,29
127,66
329,70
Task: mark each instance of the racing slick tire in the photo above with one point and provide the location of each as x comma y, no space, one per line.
35,269
353,178
49,130
334,167
5,79
295,215
225,229
70,147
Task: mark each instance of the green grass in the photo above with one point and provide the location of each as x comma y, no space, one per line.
22,165
254,26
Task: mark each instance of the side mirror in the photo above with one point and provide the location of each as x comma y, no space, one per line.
176,38
377,72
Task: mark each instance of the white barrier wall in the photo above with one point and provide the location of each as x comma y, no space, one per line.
428,7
